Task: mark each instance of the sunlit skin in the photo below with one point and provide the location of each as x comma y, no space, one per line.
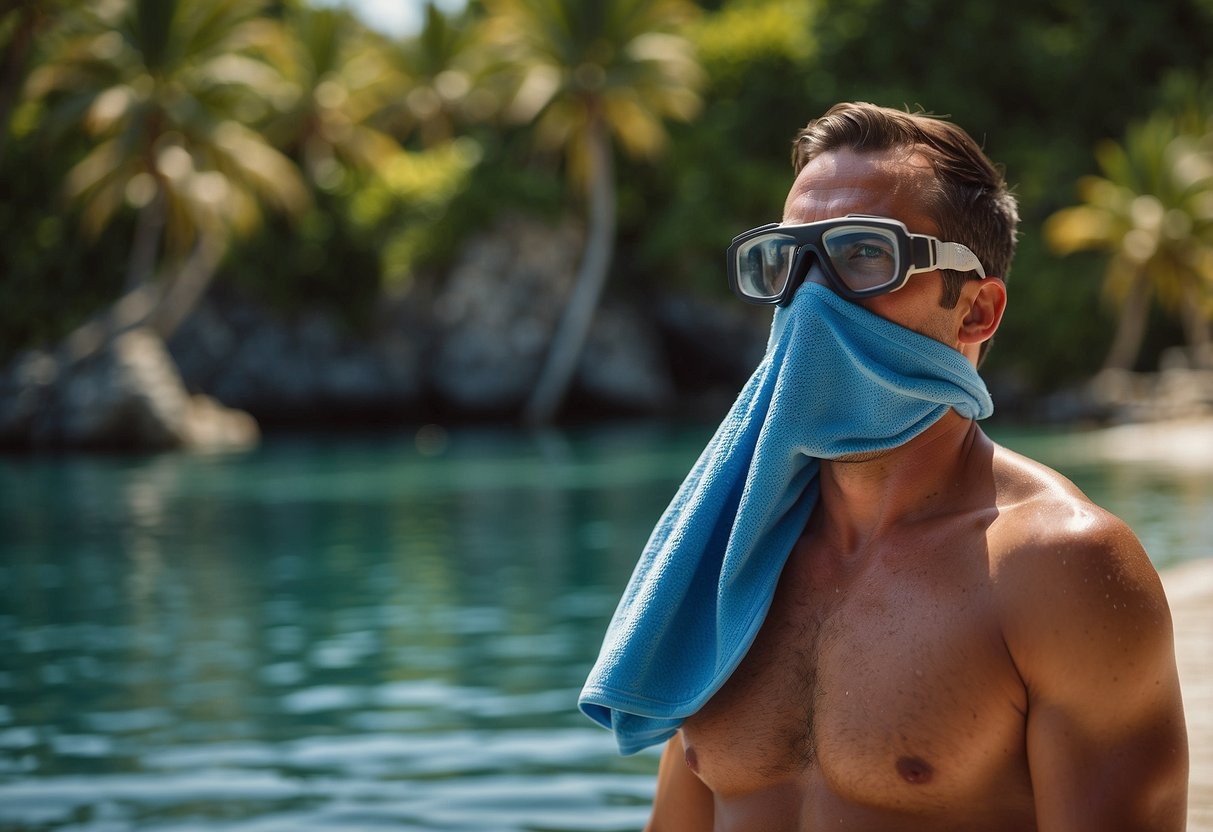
960,640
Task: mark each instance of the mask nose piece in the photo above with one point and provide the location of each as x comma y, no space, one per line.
816,274
807,269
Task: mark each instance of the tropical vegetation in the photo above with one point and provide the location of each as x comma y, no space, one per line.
285,150
161,91
1151,210
588,74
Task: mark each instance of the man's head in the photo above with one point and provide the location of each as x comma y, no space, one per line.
965,194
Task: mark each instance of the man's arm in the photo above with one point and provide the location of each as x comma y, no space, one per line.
1089,629
683,803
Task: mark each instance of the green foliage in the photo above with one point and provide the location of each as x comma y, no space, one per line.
340,82
572,67
1042,86
743,31
728,170
372,236
420,186
1055,314
1151,211
507,181
162,90
322,260
451,81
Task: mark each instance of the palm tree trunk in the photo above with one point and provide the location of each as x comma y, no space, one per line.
570,336
141,264
188,286
159,304
1131,328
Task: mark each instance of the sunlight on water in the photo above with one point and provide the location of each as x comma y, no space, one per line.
343,634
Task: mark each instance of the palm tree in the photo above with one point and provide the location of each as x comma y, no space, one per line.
449,79
344,81
1152,210
163,90
587,71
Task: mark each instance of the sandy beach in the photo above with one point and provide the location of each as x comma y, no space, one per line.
1190,590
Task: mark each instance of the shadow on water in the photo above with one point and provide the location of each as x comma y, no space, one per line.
340,634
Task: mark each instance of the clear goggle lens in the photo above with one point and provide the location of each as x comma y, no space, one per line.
764,265
863,258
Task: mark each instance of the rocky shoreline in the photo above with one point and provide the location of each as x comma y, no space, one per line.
467,348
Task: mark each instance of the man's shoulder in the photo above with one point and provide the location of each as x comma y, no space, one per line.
1085,623
1050,541
1041,512
1061,563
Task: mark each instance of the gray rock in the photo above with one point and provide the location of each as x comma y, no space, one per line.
299,369
497,311
623,364
26,388
211,426
713,342
128,395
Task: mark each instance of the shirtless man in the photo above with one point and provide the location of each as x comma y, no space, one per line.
960,640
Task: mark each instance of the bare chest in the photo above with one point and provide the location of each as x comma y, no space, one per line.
891,687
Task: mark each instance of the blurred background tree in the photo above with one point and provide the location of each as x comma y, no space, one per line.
586,73
161,90
452,80
1152,211
341,81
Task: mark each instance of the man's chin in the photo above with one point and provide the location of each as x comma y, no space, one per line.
861,456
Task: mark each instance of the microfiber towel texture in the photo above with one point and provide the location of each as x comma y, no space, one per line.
835,380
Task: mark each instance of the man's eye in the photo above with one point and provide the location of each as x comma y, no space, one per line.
868,251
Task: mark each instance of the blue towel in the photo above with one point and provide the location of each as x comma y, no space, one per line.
835,380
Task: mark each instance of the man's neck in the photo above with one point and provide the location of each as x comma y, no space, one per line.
862,499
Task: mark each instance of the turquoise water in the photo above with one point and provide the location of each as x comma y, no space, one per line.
345,634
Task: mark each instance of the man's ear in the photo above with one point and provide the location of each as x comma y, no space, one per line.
983,302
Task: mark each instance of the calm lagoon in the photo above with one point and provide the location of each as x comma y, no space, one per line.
335,633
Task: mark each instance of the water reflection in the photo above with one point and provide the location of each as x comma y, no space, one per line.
342,634
318,635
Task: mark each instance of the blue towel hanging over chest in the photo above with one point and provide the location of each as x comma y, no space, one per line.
835,380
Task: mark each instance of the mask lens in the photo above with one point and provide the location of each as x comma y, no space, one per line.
764,264
864,258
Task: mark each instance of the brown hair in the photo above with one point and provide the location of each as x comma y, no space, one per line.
970,201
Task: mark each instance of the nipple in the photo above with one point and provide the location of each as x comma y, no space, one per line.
914,770
692,759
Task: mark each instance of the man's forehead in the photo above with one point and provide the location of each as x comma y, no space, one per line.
841,182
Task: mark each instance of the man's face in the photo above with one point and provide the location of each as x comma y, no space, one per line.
888,185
